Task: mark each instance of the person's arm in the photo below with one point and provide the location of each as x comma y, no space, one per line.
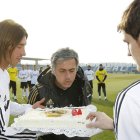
97,78
102,121
105,78
105,75
19,109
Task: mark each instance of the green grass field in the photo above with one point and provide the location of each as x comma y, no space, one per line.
114,83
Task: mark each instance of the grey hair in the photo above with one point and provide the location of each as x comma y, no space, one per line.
63,54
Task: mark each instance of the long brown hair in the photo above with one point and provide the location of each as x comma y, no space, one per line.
11,34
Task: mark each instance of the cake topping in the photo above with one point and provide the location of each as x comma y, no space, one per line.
76,112
55,113
79,111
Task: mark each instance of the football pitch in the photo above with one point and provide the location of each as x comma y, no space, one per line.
114,84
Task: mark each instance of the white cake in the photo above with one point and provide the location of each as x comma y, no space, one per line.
54,118
58,121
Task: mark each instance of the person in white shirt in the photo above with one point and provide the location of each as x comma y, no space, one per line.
126,123
12,47
34,76
29,71
90,75
23,75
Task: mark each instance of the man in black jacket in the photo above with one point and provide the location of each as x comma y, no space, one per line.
62,85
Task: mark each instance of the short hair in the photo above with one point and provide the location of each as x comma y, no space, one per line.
63,54
11,33
130,22
88,66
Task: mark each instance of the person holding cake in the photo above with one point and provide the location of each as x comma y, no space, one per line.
64,84
12,47
126,122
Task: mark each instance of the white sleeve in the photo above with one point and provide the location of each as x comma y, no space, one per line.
18,109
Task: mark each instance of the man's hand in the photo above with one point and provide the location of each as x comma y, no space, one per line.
38,104
102,121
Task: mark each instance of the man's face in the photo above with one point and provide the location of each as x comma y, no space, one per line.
101,67
133,48
89,67
18,52
65,72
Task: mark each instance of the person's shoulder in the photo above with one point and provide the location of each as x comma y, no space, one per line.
37,87
134,89
130,91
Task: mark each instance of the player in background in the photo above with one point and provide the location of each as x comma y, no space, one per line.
34,76
23,75
29,71
90,75
101,75
13,73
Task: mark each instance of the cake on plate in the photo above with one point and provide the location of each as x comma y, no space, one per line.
68,117
70,121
